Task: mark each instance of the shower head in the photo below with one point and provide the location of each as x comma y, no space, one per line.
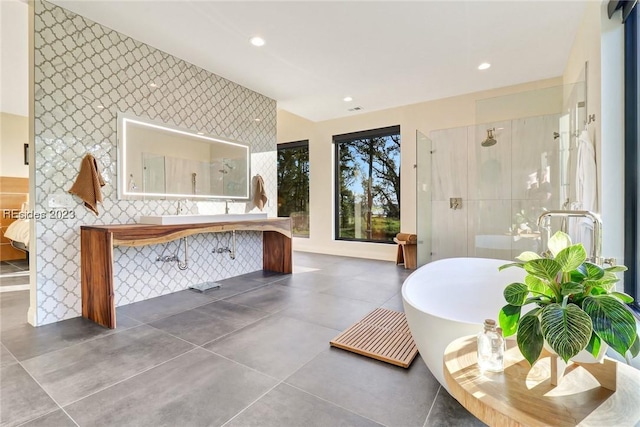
490,139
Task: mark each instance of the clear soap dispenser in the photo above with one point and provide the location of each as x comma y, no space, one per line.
491,348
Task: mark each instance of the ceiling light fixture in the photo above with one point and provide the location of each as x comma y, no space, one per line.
484,66
257,41
257,119
347,99
152,84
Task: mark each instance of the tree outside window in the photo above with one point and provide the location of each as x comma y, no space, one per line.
293,185
368,185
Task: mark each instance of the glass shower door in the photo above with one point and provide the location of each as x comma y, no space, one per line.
423,197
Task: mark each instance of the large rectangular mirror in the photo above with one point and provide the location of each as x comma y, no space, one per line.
156,160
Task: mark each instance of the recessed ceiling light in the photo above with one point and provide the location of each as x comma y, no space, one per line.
152,84
484,66
257,41
200,133
347,99
99,107
257,119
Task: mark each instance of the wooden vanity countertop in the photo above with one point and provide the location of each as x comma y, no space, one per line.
149,234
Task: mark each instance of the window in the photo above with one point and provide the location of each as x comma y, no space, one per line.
632,148
367,167
293,185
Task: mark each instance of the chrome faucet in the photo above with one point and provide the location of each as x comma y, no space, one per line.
180,207
596,243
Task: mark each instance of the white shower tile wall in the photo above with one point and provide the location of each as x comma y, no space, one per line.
500,204
84,74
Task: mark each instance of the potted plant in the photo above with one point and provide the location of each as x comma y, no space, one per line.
575,305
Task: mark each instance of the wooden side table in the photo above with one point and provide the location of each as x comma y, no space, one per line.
524,396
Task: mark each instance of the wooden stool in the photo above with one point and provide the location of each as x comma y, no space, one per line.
407,250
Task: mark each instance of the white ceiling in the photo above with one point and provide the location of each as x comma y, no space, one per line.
383,54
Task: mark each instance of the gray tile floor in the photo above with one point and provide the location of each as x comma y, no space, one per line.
253,353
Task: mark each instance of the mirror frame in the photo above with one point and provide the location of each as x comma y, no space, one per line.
125,194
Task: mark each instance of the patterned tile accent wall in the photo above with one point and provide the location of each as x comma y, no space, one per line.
84,74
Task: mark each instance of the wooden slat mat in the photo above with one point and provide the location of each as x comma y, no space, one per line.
383,334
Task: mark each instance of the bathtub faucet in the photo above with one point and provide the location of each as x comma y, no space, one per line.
544,221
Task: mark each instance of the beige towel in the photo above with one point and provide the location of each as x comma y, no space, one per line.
88,183
260,194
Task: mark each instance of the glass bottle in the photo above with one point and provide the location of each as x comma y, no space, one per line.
491,348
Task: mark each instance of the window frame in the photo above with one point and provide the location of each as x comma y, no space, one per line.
631,150
343,138
303,143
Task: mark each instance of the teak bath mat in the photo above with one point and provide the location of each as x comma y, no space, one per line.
383,334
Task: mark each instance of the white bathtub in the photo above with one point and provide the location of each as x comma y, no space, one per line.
450,298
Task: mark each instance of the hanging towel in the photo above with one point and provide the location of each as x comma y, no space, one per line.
259,194
586,188
88,183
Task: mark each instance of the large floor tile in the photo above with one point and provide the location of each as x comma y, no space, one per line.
22,398
371,290
7,267
394,303
388,394
329,310
208,322
78,371
263,276
164,306
446,411
277,345
6,358
195,389
310,281
233,286
14,281
53,419
313,260
26,341
271,298
288,406
13,309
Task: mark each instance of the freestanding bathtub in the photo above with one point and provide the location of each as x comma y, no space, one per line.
450,298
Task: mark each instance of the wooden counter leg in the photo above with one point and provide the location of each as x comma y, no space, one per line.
96,267
277,255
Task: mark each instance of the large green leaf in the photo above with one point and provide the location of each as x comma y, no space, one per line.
594,345
529,337
627,299
508,319
528,256
571,258
635,348
546,269
536,284
616,268
516,293
513,264
593,271
566,329
571,288
558,242
611,321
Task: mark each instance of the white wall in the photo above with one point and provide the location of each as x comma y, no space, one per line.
600,43
14,80
14,133
440,114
